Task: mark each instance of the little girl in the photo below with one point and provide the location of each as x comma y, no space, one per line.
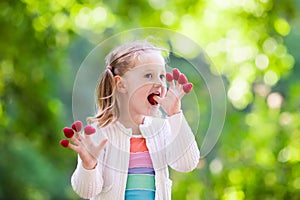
129,154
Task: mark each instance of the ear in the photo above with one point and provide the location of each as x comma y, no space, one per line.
120,84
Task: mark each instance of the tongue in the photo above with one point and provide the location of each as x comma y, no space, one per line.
151,99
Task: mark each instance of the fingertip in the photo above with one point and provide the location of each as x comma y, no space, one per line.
77,126
104,141
187,88
68,132
157,98
176,73
182,79
89,130
64,143
169,77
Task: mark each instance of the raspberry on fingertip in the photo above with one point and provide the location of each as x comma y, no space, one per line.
169,77
77,126
89,130
64,143
182,79
187,88
68,132
176,73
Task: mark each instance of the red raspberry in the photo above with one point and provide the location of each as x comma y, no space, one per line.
77,126
182,79
64,143
169,77
68,132
176,73
187,87
89,130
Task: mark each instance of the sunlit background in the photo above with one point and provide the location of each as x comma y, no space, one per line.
254,45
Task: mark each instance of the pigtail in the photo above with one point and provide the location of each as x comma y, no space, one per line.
106,100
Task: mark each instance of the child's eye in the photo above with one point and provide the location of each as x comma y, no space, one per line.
148,76
162,77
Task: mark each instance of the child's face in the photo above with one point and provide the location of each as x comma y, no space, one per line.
146,78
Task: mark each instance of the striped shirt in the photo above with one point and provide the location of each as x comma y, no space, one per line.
141,175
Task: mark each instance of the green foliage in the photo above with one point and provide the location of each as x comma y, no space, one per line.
253,44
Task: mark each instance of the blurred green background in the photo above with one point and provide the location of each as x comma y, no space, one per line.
255,44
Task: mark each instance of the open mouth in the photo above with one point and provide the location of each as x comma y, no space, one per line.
151,98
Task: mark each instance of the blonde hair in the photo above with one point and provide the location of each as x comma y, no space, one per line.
118,61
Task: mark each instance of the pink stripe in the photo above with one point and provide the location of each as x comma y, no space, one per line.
140,159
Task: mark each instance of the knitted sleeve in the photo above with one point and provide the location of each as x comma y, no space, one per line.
87,183
182,150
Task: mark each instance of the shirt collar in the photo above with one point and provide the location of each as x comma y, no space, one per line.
149,128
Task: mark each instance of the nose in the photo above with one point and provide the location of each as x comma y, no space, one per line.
160,85
157,85
158,82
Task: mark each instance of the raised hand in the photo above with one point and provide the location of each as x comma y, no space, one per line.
82,144
179,86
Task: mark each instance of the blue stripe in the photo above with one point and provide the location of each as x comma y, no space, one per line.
141,170
139,194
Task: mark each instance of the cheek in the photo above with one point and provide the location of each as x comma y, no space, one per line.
164,91
140,93
136,86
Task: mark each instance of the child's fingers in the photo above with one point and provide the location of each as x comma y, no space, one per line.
157,99
67,144
187,88
179,77
183,84
95,150
89,130
176,73
170,79
74,147
68,132
182,79
64,143
77,139
82,143
102,144
77,126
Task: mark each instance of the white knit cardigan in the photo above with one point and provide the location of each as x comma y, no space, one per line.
170,143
